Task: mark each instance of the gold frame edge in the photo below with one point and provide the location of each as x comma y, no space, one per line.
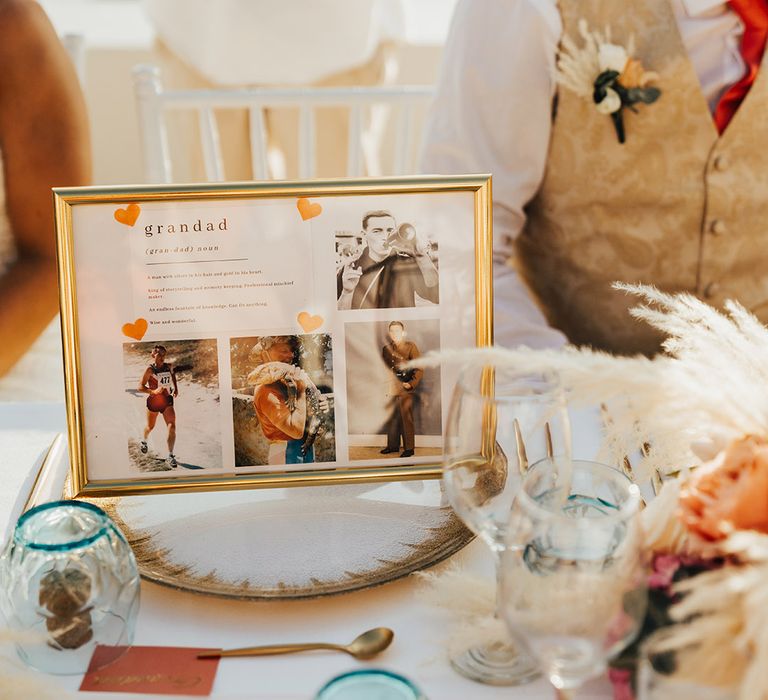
65,198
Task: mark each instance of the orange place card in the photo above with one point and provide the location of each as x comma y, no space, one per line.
151,670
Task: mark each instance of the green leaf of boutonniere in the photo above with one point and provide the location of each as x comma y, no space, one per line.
646,95
606,79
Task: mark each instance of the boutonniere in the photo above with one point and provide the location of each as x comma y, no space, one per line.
606,74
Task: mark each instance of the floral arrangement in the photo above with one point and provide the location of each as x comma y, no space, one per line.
607,74
696,416
707,533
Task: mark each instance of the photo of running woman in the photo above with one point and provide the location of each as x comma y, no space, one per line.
159,381
172,405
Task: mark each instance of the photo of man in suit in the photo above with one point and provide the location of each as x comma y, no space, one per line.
396,268
393,413
395,354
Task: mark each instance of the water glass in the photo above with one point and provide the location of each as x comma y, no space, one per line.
573,577
68,581
500,422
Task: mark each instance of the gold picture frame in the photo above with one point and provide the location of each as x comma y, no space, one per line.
76,210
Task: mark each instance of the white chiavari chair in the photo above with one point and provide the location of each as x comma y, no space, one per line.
154,102
75,46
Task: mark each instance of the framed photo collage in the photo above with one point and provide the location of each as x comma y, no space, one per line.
251,335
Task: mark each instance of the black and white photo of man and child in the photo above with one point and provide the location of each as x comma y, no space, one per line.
282,401
394,411
172,389
386,266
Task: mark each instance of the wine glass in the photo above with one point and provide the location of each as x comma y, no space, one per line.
573,581
500,421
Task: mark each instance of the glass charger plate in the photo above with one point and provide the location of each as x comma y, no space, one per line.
289,543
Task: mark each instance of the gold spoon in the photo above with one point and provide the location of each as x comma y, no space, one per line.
365,646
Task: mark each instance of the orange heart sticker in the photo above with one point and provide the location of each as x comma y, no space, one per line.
308,322
137,329
128,215
307,209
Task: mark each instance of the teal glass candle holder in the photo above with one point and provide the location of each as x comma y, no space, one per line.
68,581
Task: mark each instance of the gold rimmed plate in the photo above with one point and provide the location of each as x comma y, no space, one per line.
289,543
301,542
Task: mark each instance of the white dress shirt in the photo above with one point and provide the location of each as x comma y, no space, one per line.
493,112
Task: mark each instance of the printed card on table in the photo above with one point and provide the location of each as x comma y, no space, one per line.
247,336
150,670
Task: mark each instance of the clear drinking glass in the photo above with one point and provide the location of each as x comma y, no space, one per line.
573,579
500,421
68,581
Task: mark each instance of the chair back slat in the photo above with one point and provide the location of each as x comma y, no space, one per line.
209,133
404,139
306,141
354,142
258,138
154,141
75,46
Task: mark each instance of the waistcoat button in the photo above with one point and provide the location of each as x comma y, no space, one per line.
720,163
717,227
711,290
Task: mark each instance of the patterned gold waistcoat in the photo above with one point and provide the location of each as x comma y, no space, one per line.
676,206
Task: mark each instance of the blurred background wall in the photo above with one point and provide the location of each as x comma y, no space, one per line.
178,36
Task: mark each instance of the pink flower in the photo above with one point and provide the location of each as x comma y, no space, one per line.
730,492
620,679
663,569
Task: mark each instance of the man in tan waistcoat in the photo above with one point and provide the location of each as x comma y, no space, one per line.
646,162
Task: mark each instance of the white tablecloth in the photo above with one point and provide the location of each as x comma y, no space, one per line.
169,617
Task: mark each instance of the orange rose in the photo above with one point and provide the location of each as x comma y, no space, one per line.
634,75
730,492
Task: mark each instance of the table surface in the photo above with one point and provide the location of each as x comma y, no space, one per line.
169,617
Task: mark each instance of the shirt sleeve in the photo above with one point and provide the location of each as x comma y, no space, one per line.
493,113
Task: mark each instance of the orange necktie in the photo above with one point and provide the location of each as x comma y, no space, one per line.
754,14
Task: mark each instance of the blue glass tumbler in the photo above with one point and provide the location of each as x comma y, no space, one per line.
372,684
68,581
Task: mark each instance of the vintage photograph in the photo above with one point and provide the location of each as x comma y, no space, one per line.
393,412
384,263
172,405
282,400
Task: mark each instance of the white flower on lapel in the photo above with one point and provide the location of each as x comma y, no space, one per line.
610,103
612,57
